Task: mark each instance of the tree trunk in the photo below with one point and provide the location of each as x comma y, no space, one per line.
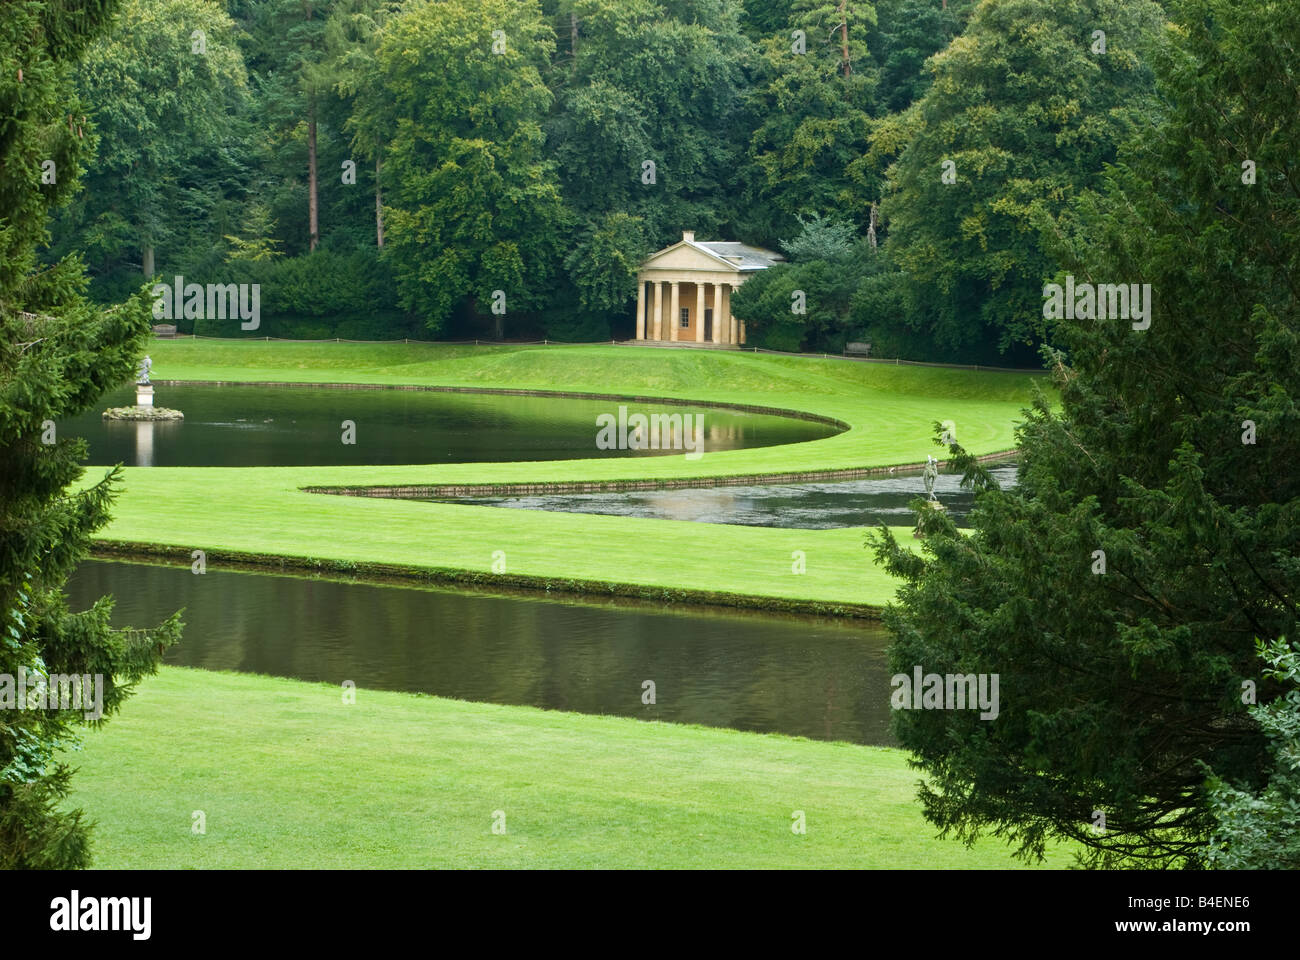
146,258
379,209
313,227
844,37
573,38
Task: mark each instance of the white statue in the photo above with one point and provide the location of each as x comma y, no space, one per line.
145,366
929,477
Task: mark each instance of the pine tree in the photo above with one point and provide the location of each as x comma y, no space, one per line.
58,355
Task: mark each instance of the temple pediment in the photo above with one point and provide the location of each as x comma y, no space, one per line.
689,257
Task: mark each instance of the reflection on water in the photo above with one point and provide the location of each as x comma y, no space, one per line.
807,506
820,678
303,426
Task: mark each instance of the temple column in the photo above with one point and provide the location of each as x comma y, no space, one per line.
640,309
717,313
674,310
724,316
699,312
732,331
659,309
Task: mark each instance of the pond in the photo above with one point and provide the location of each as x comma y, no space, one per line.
243,426
820,678
806,506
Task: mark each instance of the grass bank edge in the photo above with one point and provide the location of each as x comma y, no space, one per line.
377,572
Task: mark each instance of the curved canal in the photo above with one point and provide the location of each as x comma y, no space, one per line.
248,426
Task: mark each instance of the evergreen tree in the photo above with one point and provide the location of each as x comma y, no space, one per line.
58,355
1261,831
908,33
352,35
287,51
1119,591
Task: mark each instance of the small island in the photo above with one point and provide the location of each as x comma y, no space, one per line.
139,412
144,408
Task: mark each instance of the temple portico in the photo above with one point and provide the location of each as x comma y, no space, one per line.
684,291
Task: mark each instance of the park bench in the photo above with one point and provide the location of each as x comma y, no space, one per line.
857,349
164,329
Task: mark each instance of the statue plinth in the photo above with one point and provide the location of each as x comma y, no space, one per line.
933,505
144,408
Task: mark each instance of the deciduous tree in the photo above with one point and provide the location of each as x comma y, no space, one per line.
474,209
1022,115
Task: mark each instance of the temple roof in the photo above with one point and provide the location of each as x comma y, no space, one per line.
745,257
691,255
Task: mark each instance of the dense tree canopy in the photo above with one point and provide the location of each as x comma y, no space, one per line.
645,136
812,104
907,34
1022,115
163,112
475,207
597,132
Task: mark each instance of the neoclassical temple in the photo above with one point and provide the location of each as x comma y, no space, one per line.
684,291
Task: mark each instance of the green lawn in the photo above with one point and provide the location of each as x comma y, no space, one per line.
288,776
263,510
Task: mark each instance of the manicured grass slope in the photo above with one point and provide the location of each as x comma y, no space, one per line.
287,776
203,513
263,510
